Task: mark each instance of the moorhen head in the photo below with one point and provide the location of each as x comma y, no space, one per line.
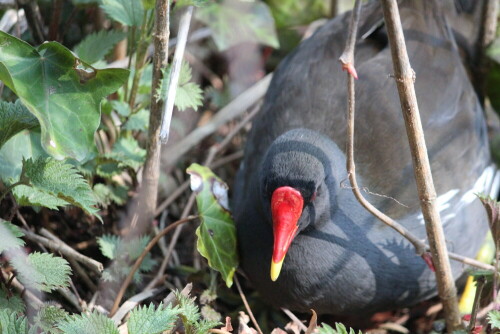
304,240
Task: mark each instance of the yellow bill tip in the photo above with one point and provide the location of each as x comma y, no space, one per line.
276,269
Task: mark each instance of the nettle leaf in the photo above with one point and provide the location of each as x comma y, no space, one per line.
93,323
29,196
494,318
97,45
128,153
235,22
63,92
14,117
11,236
217,232
138,121
339,329
47,318
127,12
12,323
61,180
188,95
108,244
42,271
151,319
110,193
12,302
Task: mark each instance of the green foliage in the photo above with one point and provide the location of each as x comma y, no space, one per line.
152,320
234,22
93,323
217,232
97,45
14,117
196,3
188,95
61,91
11,323
110,193
138,121
11,302
339,329
29,196
47,318
494,319
11,236
127,153
60,180
42,271
127,12
191,317
290,13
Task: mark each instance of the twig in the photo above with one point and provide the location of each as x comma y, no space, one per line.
294,318
139,260
132,302
83,275
347,57
475,307
58,246
168,106
214,79
245,302
70,297
404,77
34,19
31,297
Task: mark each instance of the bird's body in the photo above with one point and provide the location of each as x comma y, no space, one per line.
342,259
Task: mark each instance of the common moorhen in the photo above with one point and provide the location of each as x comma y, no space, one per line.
293,179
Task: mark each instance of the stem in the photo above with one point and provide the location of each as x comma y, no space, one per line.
404,77
141,53
475,307
139,260
9,188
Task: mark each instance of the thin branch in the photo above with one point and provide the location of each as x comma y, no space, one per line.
477,299
139,260
245,302
168,106
294,318
347,57
404,77
132,302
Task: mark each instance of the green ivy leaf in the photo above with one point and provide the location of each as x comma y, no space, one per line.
63,92
11,323
494,318
235,22
97,45
127,12
42,271
14,117
61,180
93,323
11,236
151,319
217,232
188,95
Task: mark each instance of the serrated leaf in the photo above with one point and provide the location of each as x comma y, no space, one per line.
29,196
188,94
108,244
61,180
12,302
494,318
42,271
232,23
128,153
121,107
14,117
95,46
138,121
47,318
127,12
11,323
94,323
63,92
217,232
11,236
339,329
151,320
110,193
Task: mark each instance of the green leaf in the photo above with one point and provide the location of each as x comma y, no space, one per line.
151,320
128,153
97,45
121,107
11,236
29,196
235,22
11,302
47,318
110,193
11,323
108,244
138,121
148,4
339,329
494,318
93,323
42,271
127,12
188,95
63,92
217,232
61,180
14,117
196,3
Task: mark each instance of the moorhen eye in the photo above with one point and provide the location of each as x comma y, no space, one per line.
349,262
